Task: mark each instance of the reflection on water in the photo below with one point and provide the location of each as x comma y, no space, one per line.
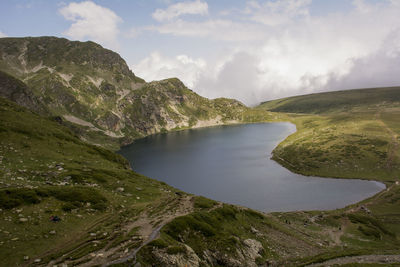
232,164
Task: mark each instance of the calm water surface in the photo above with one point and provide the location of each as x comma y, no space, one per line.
232,164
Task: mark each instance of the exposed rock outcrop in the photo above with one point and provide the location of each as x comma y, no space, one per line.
92,84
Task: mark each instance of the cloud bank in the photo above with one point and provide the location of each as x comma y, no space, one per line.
156,66
280,48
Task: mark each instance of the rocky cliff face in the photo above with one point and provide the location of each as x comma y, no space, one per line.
168,104
93,88
17,91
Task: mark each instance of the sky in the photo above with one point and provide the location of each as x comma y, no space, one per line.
250,50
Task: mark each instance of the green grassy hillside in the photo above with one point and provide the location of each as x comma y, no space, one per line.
45,170
345,134
348,134
337,101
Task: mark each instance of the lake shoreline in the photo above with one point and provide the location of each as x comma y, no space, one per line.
213,132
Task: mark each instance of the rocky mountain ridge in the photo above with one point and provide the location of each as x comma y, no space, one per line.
93,88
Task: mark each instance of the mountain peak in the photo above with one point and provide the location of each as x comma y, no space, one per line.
94,91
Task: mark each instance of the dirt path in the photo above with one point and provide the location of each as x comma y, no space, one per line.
149,225
360,259
185,207
154,235
149,230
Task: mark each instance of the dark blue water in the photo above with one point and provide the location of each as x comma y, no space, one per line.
232,164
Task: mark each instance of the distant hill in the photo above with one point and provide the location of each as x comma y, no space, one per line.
96,94
336,101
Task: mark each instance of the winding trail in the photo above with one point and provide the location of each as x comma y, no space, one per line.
154,235
184,208
149,226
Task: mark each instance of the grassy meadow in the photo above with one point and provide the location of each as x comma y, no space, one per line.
358,140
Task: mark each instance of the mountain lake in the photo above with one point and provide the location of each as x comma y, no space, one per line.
232,164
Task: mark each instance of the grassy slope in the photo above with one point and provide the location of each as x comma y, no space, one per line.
337,101
222,232
349,134
45,170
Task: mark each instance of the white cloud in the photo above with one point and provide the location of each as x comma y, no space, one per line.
218,29
156,67
2,34
196,7
300,54
378,69
238,77
92,21
270,13
273,13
